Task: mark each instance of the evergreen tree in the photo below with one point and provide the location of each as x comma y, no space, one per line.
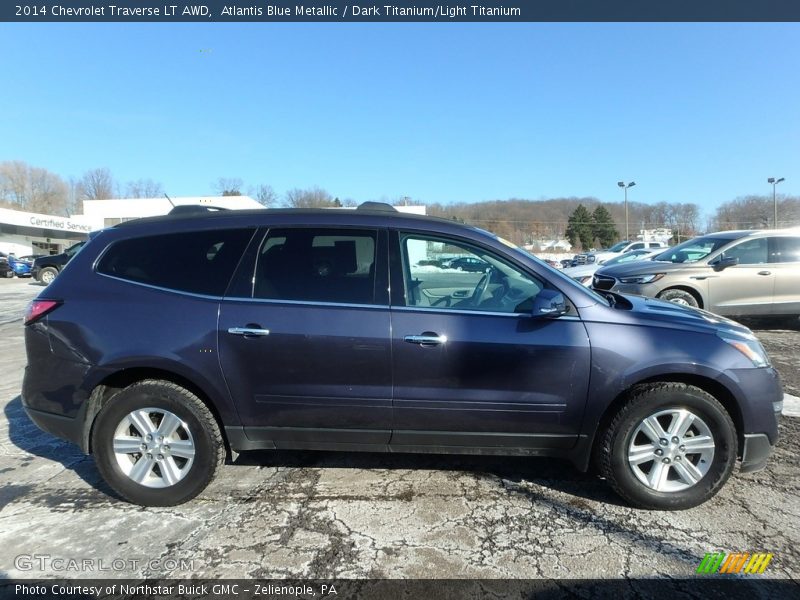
579,227
603,229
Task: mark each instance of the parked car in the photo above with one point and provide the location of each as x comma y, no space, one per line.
583,273
20,266
731,273
45,268
466,263
171,341
5,266
601,256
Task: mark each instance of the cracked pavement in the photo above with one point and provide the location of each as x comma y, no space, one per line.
337,515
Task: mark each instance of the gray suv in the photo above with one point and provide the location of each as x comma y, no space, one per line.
730,273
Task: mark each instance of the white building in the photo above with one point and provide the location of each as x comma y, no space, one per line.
24,233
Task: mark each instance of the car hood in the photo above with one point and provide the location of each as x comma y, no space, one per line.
580,271
646,266
669,314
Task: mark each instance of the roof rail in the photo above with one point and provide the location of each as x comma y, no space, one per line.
194,209
379,206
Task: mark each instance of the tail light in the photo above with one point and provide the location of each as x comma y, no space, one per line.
39,308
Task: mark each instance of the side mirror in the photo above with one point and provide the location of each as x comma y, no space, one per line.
549,304
723,262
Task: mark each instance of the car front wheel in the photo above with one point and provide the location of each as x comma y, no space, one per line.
47,275
157,444
671,446
681,297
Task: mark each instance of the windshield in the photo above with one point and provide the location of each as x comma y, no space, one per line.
618,246
693,250
73,250
627,257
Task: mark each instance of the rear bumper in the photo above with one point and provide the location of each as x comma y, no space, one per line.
66,428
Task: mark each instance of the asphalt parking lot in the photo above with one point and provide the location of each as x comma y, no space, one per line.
331,515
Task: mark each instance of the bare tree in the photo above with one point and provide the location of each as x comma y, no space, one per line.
228,186
32,188
97,184
264,194
14,182
144,188
309,198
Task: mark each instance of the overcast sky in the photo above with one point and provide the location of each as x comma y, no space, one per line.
438,112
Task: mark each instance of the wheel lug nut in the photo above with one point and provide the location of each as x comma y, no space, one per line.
160,457
663,441
678,457
675,439
149,455
659,452
683,448
143,446
148,437
665,461
166,448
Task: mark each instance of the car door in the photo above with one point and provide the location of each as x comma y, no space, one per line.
785,263
475,368
304,338
746,288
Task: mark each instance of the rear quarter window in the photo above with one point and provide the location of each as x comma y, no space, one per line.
200,262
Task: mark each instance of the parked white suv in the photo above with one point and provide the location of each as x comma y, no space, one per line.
601,256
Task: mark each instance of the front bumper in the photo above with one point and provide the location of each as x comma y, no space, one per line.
755,453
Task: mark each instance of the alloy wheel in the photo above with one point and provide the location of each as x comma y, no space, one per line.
154,447
671,450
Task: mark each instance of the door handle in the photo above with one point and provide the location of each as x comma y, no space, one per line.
248,331
426,339
765,272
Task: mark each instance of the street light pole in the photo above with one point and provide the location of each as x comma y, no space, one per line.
774,182
625,187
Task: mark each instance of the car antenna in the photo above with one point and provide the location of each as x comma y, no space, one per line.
170,200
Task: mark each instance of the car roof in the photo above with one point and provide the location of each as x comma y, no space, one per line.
368,215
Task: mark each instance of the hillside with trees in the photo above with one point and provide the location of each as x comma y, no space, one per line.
586,221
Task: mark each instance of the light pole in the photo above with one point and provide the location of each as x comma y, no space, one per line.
774,182
625,187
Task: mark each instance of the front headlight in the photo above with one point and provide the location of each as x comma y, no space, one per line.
750,347
642,278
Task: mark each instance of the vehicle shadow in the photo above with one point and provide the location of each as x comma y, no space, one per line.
771,323
26,436
516,473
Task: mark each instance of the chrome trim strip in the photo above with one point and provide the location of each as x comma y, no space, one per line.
159,288
248,331
426,339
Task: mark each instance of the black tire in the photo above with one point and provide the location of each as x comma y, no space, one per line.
649,400
47,275
209,448
679,297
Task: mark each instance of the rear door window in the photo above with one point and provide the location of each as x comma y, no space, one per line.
200,262
317,265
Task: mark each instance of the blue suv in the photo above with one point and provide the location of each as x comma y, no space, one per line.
169,343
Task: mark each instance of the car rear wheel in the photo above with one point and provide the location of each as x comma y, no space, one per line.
681,297
671,446
47,275
157,444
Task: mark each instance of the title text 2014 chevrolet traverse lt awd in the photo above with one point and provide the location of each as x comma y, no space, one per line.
169,341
